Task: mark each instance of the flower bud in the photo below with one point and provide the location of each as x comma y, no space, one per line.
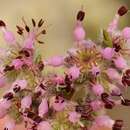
74,117
43,107
44,125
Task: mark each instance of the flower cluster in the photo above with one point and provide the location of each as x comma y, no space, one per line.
94,74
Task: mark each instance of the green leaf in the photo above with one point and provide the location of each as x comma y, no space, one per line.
107,41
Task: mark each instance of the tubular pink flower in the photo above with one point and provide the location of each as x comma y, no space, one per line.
97,89
55,61
2,80
17,63
120,63
8,36
74,117
29,42
10,125
113,26
79,33
113,74
44,125
4,106
74,71
58,105
21,83
108,53
104,120
26,102
96,105
95,70
115,90
126,33
59,79
43,107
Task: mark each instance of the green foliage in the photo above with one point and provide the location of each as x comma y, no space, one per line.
107,41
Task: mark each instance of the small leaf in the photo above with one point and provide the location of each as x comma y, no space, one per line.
107,39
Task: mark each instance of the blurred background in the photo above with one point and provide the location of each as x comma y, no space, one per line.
59,16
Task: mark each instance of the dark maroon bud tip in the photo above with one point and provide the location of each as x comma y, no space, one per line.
27,28
104,97
2,24
109,105
122,10
16,89
80,15
8,96
118,125
125,102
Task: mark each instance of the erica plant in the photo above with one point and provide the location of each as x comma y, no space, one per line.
94,74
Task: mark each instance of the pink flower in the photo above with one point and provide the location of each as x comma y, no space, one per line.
74,71
29,42
105,121
4,106
21,83
43,107
10,125
28,61
74,117
56,61
59,80
39,89
113,74
120,62
115,90
96,105
97,89
79,33
26,102
44,125
17,63
95,70
8,36
108,53
126,33
58,104
2,80
114,24
88,43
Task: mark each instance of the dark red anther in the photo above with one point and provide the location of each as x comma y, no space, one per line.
8,68
122,10
25,52
33,22
104,97
27,28
126,78
40,23
42,86
80,15
40,66
117,47
2,24
109,104
16,89
8,96
118,125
